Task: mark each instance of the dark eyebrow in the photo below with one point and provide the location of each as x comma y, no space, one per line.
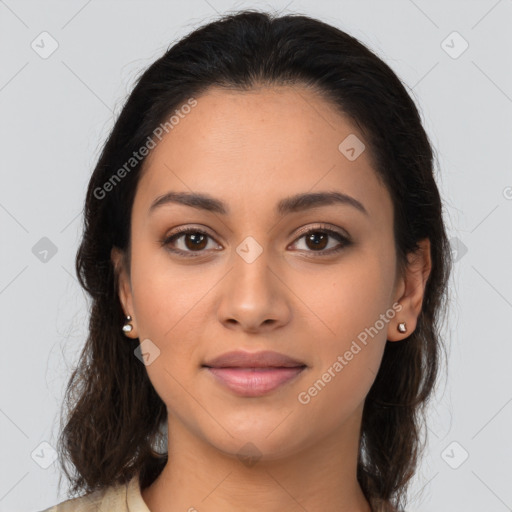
291,204
301,202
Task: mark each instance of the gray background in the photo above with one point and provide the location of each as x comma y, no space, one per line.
56,112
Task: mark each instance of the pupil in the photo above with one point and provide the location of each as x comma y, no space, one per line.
196,239
318,244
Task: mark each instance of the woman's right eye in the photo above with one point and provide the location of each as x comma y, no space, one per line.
191,240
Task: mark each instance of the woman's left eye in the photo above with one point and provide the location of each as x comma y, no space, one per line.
318,239
195,240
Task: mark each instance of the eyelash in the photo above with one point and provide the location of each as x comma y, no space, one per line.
321,229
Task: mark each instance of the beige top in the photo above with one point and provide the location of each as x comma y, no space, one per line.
119,498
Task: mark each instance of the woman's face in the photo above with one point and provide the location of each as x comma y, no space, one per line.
265,275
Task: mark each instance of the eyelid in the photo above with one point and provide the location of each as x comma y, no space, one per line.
321,226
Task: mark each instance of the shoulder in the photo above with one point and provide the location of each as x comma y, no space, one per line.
114,499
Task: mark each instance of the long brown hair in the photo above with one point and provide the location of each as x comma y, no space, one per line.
113,418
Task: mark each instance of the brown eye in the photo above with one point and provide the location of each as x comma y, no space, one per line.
187,241
319,241
195,241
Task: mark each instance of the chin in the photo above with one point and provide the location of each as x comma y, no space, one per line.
264,443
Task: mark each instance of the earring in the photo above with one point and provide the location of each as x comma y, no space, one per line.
127,327
401,327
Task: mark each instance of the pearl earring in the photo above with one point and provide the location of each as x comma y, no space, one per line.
401,327
127,327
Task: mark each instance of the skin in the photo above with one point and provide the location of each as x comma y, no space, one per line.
250,150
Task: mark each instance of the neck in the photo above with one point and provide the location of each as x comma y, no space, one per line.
199,477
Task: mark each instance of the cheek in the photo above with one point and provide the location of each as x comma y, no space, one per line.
351,315
171,313
169,310
163,294
347,300
346,361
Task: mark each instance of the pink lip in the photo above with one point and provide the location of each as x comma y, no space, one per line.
255,381
263,359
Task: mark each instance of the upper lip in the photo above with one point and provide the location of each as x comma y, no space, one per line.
264,359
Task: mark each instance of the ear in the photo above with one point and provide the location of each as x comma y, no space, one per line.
410,290
124,288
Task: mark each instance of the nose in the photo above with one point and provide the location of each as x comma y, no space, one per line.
254,297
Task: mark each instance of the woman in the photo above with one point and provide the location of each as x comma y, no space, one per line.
267,261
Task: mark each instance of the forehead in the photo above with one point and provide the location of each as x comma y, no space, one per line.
261,145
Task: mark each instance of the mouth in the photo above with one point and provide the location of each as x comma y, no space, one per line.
253,374
254,382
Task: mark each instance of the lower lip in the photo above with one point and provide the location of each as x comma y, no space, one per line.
254,381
